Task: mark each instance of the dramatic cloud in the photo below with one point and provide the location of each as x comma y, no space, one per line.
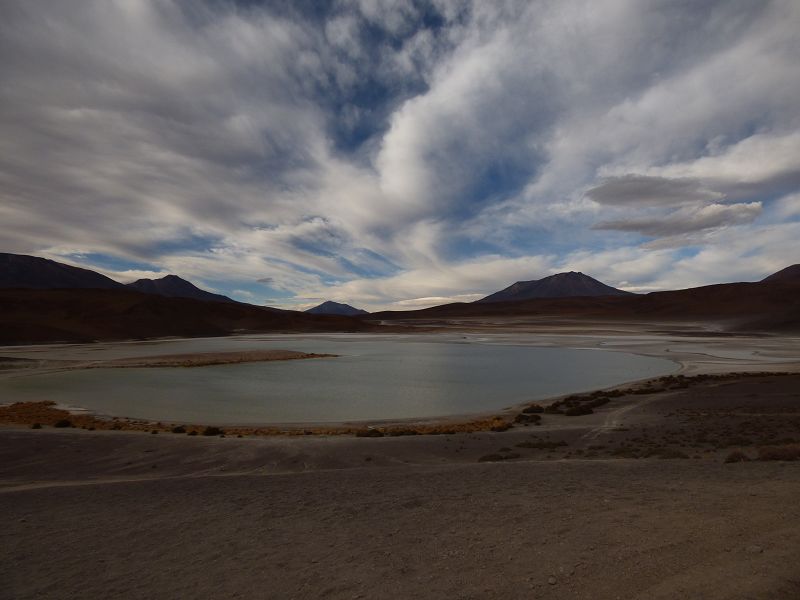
398,153
688,220
641,190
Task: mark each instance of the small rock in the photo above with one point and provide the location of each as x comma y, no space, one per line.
552,581
755,549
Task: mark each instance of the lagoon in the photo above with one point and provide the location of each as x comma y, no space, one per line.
372,378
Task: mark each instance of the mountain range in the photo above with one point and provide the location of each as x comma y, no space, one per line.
32,272
772,304
45,301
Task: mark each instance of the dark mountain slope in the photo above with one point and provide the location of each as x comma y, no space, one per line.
336,308
561,285
173,286
31,316
788,274
32,272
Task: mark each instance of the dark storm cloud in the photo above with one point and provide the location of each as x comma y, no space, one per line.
641,190
687,220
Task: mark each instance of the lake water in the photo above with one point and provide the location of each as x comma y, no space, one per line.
373,378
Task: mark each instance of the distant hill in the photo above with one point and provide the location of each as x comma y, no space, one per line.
173,286
788,274
85,315
561,285
32,272
770,305
335,308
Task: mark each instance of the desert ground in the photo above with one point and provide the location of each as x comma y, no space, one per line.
681,487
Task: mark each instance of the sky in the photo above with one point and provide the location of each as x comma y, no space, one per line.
401,154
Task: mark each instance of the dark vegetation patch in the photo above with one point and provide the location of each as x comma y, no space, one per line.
369,433
783,452
528,418
497,457
542,444
737,456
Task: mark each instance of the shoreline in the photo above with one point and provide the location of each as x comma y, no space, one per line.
693,356
48,414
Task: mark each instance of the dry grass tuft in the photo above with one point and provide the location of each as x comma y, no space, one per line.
737,456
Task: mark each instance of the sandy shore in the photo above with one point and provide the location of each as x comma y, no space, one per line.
633,500
596,506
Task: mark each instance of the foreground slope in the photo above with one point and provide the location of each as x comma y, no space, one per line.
568,514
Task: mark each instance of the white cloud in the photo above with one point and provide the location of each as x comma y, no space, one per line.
757,158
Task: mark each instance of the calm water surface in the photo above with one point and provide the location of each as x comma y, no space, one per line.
373,378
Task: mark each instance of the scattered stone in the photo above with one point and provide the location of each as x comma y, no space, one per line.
552,581
754,549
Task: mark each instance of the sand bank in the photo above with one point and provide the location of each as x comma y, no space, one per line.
203,359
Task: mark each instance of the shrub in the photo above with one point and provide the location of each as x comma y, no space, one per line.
498,457
736,456
576,411
527,418
501,427
36,426
179,429
491,458
672,453
193,432
787,452
63,423
369,433
544,445
533,408
213,431
154,431
399,432
597,402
